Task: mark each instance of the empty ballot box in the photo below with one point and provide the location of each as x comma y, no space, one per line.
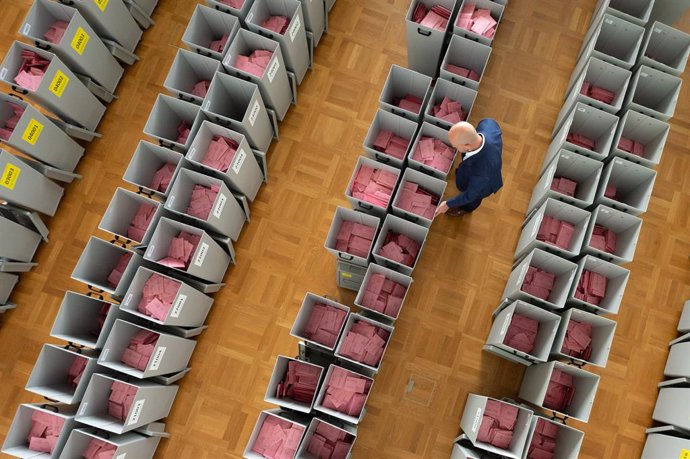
351,236
626,231
7,284
554,227
389,138
275,426
383,291
310,325
190,75
613,40
237,9
152,168
550,433
371,186
626,186
59,419
465,62
135,403
665,49
594,298
405,93
165,300
426,32
131,216
659,445
418,196
449,94
83,441
18,243
340,438
431,152
209,32
399,245
363,342
671,407
552,286
344,394
469,22
58,89
584,338
85,320
172,122
635,11
640,138
653,93
294,384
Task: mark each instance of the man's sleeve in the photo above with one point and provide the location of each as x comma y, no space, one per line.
478,188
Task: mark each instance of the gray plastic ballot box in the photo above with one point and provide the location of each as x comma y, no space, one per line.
389,274
653,93
351,320
85,320
121,211
7,284
318,406
341,216
627,228
397,225
16,443
240,12
568,439
617,280
631,183
147,159
424,44
649,132
126,445
314,18
613,40
635,11
279,372
445,89
206,26
167,116
295,418
466,53
187,70
399,126
671,407
596,125
665,49
659,445
431,185
677,365
401,82
23,186
60,90
360,204
18,243
314,424
304,314
496,9
603,330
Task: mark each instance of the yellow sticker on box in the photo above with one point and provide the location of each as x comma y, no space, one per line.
684,454
80,40
102,4
10,176
32,132
59,83
346,275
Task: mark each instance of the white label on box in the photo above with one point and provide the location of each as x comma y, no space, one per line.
192,152
657,30
104,355
136,412
608,21
256,109
294,28
566,156
128,299
26,29
644,75
477,420
506,324
203,249
580,109
250,16
604,211
273,69
618,161
157,358
82,408
177,307
149,252
171,200
121,456
240,156
220,204
3,73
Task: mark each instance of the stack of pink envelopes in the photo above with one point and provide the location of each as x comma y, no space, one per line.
183,132
75,371
631,146
346,391
374,186
278,438
99,449
564,185
355,238
463,72
141,346
435,17
538,283
255,63
102,315
591,287
158,295
543,444
181,250
477,20
603,239
219,45
598,93
391,144
31,71
522,333
140,222
383,295
560,392
449,110
201,88
220,153
121,399
434,153
163,177
329,442
611,191
237,4
45,431
202,201
365,343
8,128
556,232
581,140
578,340
116,274
324,324
300,382
278,24
56,32
417,200
400,248
498,423
411,103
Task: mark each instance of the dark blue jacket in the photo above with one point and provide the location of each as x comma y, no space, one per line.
480,175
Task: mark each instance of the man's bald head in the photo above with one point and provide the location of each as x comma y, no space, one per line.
464,137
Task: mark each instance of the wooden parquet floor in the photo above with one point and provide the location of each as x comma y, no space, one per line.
458,282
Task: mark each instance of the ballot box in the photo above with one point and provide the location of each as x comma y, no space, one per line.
587,292
475,414
677,365
262,435
237,104
441,111
555,277
418,196
267,70
208,260
383,292
85,320
357,393
665,49
357,346
377,183
389,138
152,168
38,136
79,46
243,174
351,236
542,384
555,227
671,406
635,11
165,300
565,171
18,243
58,417
108,408
426,34
568,440
207,203
190,75
292,36
584,338
131,444
61,374
131,216
58,90
7,284
294,384
405,93
315,331
653,93
469,30
465,62
172,122
435,159
340,437
349,276
314,19
684,321
659,445
626,186
399,245
209,31
640,138
619,228
240,11
523,333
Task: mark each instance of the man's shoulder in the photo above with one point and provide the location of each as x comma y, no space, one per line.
488,124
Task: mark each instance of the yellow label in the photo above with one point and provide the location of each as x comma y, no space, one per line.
81,38
10,176
346,275
32,132
101,4
684,454
59,83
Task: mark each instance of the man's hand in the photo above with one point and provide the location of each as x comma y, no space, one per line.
441,209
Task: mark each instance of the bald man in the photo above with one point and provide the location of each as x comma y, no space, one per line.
479,173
